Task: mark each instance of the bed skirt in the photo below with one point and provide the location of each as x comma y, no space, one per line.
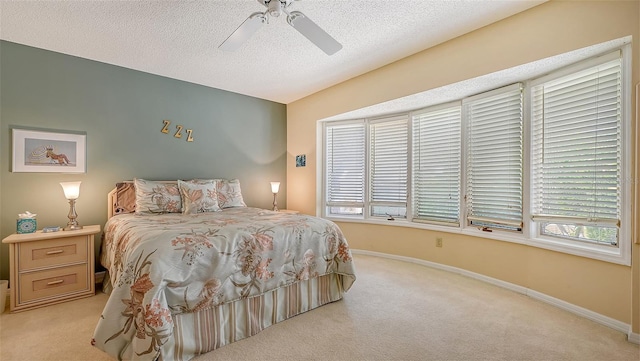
199,332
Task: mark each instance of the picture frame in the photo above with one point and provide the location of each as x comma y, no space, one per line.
48,151
301,160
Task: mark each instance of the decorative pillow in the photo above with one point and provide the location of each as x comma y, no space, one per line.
229,194
157,197
125,199
198,196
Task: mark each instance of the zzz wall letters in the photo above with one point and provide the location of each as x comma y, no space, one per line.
178,133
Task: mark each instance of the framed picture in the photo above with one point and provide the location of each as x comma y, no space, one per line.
301,160
48,151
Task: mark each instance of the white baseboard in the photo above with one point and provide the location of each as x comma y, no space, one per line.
580,311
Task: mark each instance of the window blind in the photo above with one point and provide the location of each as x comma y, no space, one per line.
345,165
388,166
436,165
494,158
576,125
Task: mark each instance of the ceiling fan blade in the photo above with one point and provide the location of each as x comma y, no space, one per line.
313,32
243,32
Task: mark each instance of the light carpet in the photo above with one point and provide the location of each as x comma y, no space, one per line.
395,311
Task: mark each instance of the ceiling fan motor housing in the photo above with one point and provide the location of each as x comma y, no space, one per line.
275,7
296,19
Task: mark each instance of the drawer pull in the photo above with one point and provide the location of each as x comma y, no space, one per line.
54,282
54,252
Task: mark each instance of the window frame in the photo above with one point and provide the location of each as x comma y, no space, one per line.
369,202
413,205
530,234
325,173
492,224
622,252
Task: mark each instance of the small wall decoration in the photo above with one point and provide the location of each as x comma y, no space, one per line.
178,133
48,151
301,160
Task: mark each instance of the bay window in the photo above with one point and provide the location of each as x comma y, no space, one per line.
542,162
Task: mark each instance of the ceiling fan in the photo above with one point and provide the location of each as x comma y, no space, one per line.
296,19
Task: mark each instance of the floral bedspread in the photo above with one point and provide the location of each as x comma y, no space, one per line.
169,264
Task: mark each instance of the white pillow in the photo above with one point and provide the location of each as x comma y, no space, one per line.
157,197
229,193
198,196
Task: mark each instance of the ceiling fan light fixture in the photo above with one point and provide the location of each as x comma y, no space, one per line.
275,8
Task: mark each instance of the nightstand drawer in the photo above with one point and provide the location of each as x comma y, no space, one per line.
47,253
55,282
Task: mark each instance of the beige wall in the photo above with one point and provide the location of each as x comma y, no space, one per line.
549,29
636,205
577,280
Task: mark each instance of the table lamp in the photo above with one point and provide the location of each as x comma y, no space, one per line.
72,192
275,187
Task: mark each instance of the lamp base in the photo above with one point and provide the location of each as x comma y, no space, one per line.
275,202
72,227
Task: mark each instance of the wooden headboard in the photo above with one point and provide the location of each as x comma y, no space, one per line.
112,196
111,202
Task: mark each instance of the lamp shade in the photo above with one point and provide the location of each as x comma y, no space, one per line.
71,189
275,187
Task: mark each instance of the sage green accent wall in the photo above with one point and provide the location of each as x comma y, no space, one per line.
122,110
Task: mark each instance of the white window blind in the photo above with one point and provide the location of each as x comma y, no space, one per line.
345,168
494,158
388,166
576,125
436,165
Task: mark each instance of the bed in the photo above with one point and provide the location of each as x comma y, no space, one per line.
184,284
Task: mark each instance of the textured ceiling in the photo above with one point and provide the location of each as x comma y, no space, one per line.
179,39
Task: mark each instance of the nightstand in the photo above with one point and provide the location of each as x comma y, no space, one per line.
288,211
53,267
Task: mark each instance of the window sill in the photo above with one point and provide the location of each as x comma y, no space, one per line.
599,253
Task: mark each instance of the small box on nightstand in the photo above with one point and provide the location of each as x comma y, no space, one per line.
26,225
